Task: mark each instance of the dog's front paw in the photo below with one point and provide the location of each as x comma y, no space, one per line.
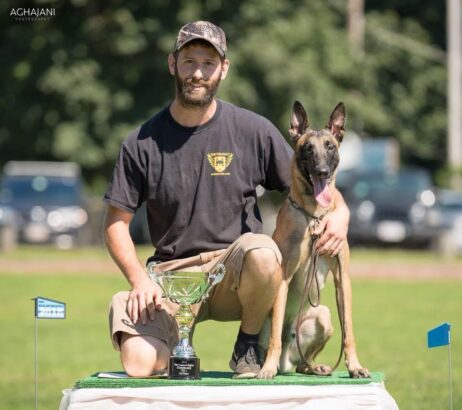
267,372
359,373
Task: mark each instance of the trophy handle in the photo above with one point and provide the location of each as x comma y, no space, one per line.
217,274
214,277
153,275
151,270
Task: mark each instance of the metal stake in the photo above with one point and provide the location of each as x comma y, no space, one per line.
36,365
450,374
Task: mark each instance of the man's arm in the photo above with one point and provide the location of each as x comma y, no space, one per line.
334,228
145,295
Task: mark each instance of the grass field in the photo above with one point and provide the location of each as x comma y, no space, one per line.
391,322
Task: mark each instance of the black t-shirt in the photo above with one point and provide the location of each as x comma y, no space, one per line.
199,183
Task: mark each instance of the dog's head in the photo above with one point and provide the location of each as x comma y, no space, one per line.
316,151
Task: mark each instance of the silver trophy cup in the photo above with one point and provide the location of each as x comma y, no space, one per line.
185,289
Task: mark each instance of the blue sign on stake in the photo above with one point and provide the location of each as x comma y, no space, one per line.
439,336
49,309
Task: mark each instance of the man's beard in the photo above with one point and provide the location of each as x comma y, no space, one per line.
190,99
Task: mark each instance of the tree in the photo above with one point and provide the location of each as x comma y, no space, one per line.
73,86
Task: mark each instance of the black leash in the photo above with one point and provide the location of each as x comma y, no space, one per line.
311,277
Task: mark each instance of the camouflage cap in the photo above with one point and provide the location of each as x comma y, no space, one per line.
202,30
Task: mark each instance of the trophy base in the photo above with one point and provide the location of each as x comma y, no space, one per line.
184,368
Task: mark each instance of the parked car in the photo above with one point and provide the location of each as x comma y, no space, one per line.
446,217
48,199
8,228
389,207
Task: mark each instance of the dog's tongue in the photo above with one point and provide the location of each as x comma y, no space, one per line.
322,192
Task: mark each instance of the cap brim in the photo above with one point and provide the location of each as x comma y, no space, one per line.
219,51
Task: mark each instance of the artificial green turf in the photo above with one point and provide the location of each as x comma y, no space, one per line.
225,379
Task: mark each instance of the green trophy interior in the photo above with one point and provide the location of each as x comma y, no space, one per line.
186,289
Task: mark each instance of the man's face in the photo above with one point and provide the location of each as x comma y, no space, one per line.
198,70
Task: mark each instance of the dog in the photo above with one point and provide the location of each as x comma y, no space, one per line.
313,170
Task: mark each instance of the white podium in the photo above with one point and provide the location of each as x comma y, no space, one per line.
226,393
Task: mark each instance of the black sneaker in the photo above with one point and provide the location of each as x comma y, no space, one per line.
246,365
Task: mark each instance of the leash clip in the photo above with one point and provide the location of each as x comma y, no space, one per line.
313,225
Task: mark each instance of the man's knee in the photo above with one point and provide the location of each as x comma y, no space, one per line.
258,257
141,355
262,264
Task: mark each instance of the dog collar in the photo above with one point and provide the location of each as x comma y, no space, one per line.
299,208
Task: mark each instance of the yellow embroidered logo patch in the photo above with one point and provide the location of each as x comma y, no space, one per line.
220,161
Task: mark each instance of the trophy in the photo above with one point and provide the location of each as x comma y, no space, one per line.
185,289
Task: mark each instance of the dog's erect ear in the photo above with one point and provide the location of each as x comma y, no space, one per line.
336,123
298,121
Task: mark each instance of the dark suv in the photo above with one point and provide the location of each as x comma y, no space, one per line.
48,199
389,207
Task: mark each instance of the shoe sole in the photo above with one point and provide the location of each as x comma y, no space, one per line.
245,375
248,375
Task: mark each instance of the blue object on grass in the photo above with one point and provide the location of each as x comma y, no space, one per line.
439,336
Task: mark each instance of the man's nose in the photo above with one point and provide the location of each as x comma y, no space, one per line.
197,74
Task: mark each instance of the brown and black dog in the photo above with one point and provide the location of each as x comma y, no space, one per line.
313,181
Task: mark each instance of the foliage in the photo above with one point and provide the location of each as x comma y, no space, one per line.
412,93
75,85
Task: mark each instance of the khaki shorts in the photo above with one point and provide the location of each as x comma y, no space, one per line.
222,303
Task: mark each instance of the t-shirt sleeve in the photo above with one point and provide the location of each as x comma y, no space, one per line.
126,188
277,161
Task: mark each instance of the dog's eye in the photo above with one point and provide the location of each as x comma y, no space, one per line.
308,148
330,147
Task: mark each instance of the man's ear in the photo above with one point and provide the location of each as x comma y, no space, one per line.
224,68
171,64
298,121
336,123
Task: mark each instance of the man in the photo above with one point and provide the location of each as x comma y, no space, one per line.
197,164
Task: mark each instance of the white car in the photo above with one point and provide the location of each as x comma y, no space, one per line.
447,218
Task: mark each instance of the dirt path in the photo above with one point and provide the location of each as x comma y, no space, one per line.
358,269
411,271
57,266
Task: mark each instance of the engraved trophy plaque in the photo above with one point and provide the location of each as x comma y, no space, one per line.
185,289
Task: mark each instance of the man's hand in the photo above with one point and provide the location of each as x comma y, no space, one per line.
333,230
143,300
145,296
